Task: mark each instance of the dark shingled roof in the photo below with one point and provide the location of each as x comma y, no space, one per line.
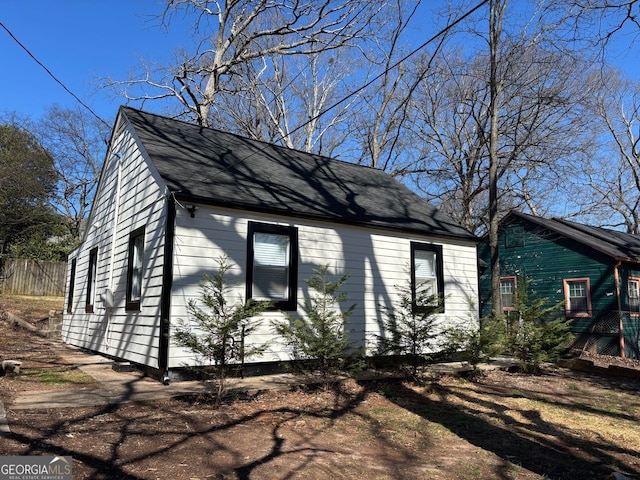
618,245
209,166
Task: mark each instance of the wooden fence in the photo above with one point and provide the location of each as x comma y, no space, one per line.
33,277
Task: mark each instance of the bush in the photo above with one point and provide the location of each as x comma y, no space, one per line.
538,333
319,341
476,345
410,329
220,328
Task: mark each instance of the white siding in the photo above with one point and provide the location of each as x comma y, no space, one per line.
127,335
378,262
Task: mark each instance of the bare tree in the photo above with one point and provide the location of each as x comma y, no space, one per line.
319,91
284,100
76,141
499,125
448,125
542,133
496,83
379,128
230,34
308,101
613,178
595,22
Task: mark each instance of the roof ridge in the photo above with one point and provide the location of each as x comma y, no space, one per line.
601,239
603,233
254,140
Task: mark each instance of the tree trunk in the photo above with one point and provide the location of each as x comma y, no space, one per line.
496,10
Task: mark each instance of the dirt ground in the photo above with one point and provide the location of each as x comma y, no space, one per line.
562,424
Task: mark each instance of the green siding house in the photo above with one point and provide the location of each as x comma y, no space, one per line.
594,271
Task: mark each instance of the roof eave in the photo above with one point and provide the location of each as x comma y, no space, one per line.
187,197
539,221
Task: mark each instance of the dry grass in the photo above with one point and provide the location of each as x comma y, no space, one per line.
30,308
590,422
57,377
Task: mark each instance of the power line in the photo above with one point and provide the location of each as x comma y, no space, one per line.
53,76
367,84
384,72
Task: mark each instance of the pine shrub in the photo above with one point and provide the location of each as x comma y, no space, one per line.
319,340
410,329
219,327
537,333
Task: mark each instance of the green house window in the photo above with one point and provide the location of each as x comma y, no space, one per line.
577,297
633,290
514,236
508,295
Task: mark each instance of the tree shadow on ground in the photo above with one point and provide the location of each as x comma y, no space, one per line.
131,441
184,438
521,437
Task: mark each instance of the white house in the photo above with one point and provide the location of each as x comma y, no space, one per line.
174,197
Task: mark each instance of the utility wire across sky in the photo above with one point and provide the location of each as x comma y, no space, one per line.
53,76
318,115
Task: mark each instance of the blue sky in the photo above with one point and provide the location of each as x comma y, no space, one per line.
80,41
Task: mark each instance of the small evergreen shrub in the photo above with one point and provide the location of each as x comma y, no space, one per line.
216,336
476,345
538,333
319,340
410,329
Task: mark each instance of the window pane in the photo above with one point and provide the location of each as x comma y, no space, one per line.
91,284
507,292
136,267
634,296
514,236
270,266
577,289
425,264
427,288
578,304
578,300
425,275
72,282
272,252
270,249
270,283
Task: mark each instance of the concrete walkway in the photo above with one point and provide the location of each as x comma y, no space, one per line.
114,387
117,387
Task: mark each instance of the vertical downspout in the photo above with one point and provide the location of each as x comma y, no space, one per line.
114,233
167,284
616,277
116,212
